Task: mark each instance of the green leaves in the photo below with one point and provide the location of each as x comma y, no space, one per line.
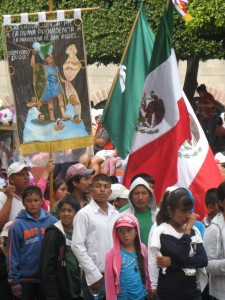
107,30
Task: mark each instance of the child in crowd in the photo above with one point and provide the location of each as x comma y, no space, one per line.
126,275
5,290
176,252
24,245
214,242
60,189
60,272
119,195
43,184
211,203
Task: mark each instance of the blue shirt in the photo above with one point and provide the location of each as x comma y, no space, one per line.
131,286
200,227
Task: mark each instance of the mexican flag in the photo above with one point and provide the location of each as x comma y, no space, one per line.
163,124
122,108
197,168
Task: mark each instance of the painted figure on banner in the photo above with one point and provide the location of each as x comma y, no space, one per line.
50,104
59,125
70,69
33,102
52,79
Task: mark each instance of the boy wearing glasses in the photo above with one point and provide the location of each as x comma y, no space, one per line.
11,200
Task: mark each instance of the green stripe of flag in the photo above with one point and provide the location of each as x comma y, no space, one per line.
163,39
122,109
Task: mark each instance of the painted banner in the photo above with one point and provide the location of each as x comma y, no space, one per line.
47,67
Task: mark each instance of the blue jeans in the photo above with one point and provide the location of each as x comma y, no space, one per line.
88,295
30,291
198,298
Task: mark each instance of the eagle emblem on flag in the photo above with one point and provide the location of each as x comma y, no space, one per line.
152,111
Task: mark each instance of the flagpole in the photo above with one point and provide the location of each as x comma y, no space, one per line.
124,54
167,4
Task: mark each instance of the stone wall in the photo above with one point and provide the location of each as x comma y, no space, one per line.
211,72
5,87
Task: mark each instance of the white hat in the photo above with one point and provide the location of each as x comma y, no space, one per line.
96,112
220,158
171,188
118,191
16,168
5,230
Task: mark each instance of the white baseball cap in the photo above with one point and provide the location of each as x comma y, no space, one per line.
118,191
16,168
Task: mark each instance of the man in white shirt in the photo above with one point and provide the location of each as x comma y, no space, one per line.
92,236
11,200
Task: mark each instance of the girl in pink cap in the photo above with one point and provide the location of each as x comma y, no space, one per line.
126,275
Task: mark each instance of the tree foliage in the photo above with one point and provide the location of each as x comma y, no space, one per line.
107,30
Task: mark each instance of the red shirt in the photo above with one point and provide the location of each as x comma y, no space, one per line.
207,112
109,145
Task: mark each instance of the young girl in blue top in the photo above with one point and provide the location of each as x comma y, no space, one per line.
126,276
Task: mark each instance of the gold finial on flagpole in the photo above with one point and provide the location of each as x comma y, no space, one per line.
167,4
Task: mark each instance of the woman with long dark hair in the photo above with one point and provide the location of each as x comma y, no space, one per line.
60,272
176,250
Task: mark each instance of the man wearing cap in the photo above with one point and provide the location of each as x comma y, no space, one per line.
119,195
79,182
10,201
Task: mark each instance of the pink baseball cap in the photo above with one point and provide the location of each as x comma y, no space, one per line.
125,221
78,169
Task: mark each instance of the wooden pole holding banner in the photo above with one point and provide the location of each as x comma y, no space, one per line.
51,184
50,13
50,8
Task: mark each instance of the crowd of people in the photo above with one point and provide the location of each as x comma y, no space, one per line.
98,240
89,237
